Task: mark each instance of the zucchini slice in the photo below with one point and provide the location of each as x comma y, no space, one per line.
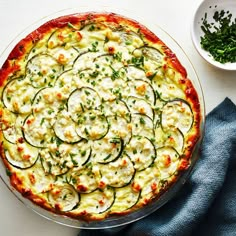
36,176
84,178
85,60
52,163
177,114
11,128
142,125
17,95
63,197
111,89
81,100
167,161
146,181
120,128
118,173
44,103
21,155
116,108
92,125
139,105
65,128
98,201
133,73
141,152
125,198
77,154
37,131
131,40
142,89
67,82
42,70
112,148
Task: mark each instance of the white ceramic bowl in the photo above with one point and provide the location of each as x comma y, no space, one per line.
210,7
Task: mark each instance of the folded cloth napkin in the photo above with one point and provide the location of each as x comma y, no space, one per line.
206,205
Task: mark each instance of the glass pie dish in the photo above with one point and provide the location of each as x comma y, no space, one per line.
114,221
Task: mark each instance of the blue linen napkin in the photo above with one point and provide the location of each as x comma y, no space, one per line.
206,205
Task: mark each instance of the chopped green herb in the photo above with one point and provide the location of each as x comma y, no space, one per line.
220,36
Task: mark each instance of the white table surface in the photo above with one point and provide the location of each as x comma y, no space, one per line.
173,16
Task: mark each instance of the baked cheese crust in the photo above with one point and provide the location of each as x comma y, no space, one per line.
98,116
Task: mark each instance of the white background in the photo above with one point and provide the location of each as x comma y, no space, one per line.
172,15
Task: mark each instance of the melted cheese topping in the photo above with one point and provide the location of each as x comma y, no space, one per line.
97,122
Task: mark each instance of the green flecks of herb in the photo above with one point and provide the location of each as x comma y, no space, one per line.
142,121
137,61
58,142
115,140
107,157
40,73
54,70
50,111
82,107
115,74
219,37
152,140
92,117
81,75
42,141
49,166
52,76
87,92
135,151
8,172
94,47
57,153
118,56
94,74
42,121
106,39
83,153
128,42
86,131
93,83
8,98
70,25
91,28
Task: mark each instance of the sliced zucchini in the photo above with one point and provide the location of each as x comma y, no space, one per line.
37,131
125,198
142,125
21,155
177,114
111,89
112,148
17,95
142,89
98,201
42,70
116,108
84,179
133,73
174,138
63,197
120,128
167,161
81,100
47,102
139,105
146,181
141,152
64,37
68,81
92,125
85,60
131,40
11,128
118,173
75,155
38,181
65,128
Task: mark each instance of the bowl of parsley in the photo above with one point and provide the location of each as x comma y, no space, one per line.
213,32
